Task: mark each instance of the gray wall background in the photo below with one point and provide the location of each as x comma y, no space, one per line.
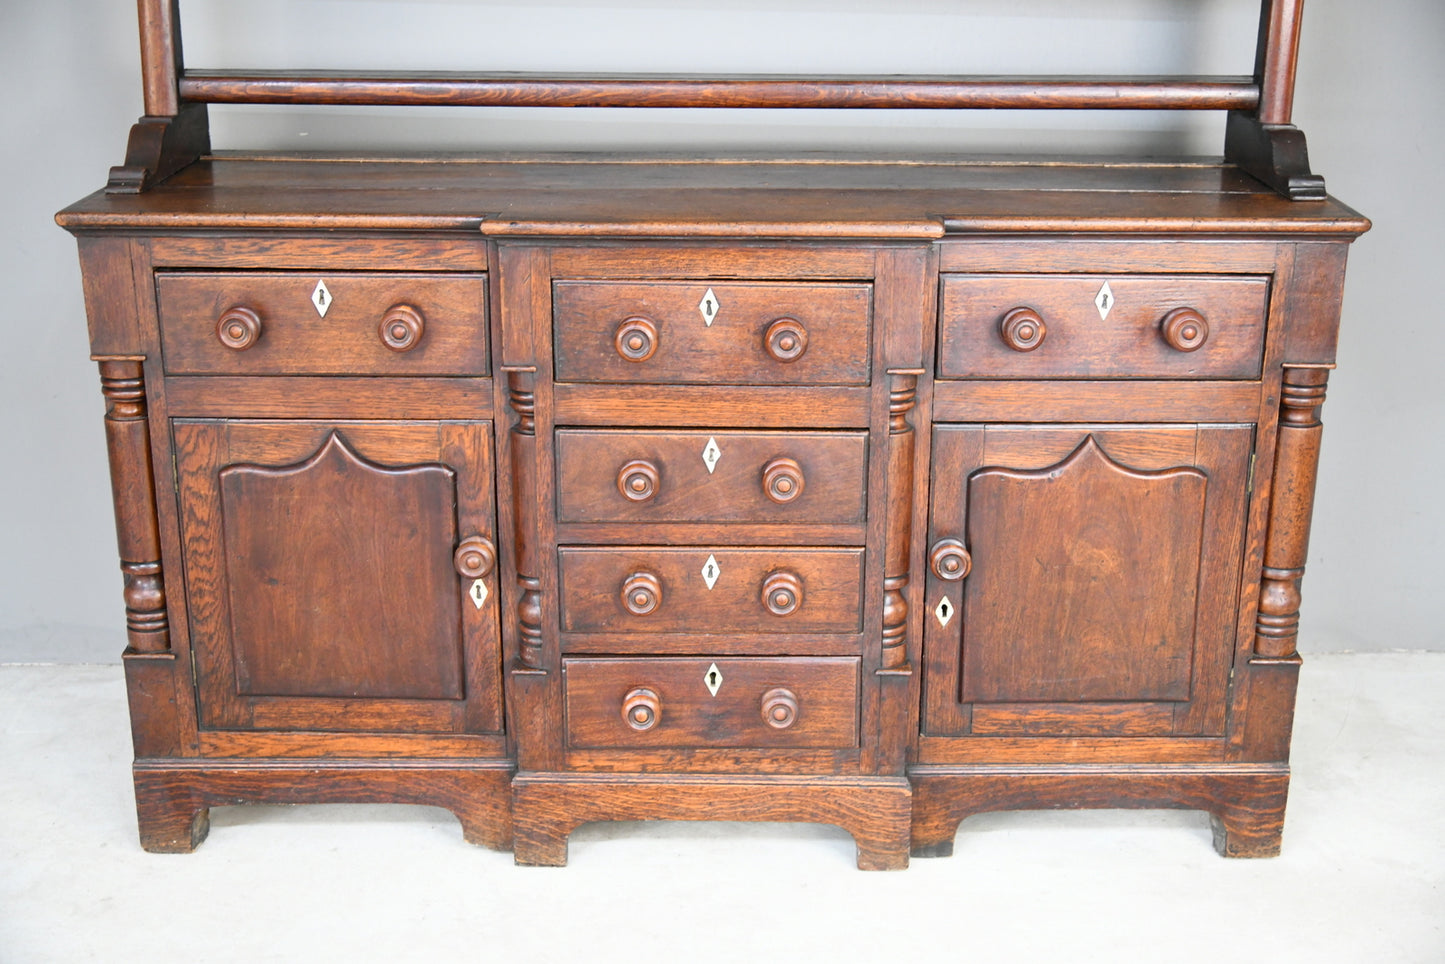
1371,97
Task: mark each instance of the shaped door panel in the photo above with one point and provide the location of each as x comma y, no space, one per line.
1100,590
323,586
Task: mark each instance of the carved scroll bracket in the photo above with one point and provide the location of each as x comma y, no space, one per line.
902,396
127,434
521,384
1296,465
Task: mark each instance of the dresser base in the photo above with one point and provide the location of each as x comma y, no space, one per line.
1246,803
548,807
173,797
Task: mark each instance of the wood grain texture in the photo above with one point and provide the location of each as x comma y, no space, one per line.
824,692
293,338
830,486
592,578
306,618
1129,342
173,797
710,406
1296,465
733,349
820,200
1126,588
127,437
1246,802
548,807
276,611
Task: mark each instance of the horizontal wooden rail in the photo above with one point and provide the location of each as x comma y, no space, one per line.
609,90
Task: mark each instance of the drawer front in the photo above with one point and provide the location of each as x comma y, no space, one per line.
1032,326
644,476
271,324
665,590
760,333
772,702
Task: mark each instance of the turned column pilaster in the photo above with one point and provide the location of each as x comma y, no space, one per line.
127,436
521,395
1296,465
902,396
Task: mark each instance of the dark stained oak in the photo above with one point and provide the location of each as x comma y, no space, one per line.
1083,330
393,324
792,478
873,491
711,332
829,589
819,697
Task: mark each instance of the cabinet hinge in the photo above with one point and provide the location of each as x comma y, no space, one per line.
1249,486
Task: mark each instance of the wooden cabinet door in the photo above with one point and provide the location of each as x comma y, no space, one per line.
323,586
1099,573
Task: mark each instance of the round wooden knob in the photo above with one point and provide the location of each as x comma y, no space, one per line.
1022,329
786,340
782,593
641,593
950,560
780,708
475,557
239,328
401,327
638,480
1184,329
636,339
641,708
782,480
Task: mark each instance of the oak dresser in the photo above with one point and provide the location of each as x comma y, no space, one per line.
562,489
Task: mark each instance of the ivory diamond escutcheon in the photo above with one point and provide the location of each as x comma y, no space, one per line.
711,454
709,307
478,593
1104,301
321,298
944,611
711,571
713,679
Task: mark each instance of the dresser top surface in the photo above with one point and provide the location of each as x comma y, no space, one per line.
674,196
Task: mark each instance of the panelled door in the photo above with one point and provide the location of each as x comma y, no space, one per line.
340,575
1083,578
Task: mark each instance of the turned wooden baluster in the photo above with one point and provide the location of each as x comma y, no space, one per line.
127,436
520,383
902,395
1296,464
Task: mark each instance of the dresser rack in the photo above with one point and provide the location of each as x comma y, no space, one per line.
1259,136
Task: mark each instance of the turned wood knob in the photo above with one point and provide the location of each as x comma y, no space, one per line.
1022,329
782,593
641,593
401,327
1184,329
475,557
950,560
641,708
783,480
786,340
636,339
780,708
638,480
239,328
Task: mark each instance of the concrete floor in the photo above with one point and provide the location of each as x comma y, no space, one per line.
1360,879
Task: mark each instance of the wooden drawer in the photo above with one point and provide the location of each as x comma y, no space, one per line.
436,323
762,333
647,476
1088,332
772,702
665,590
